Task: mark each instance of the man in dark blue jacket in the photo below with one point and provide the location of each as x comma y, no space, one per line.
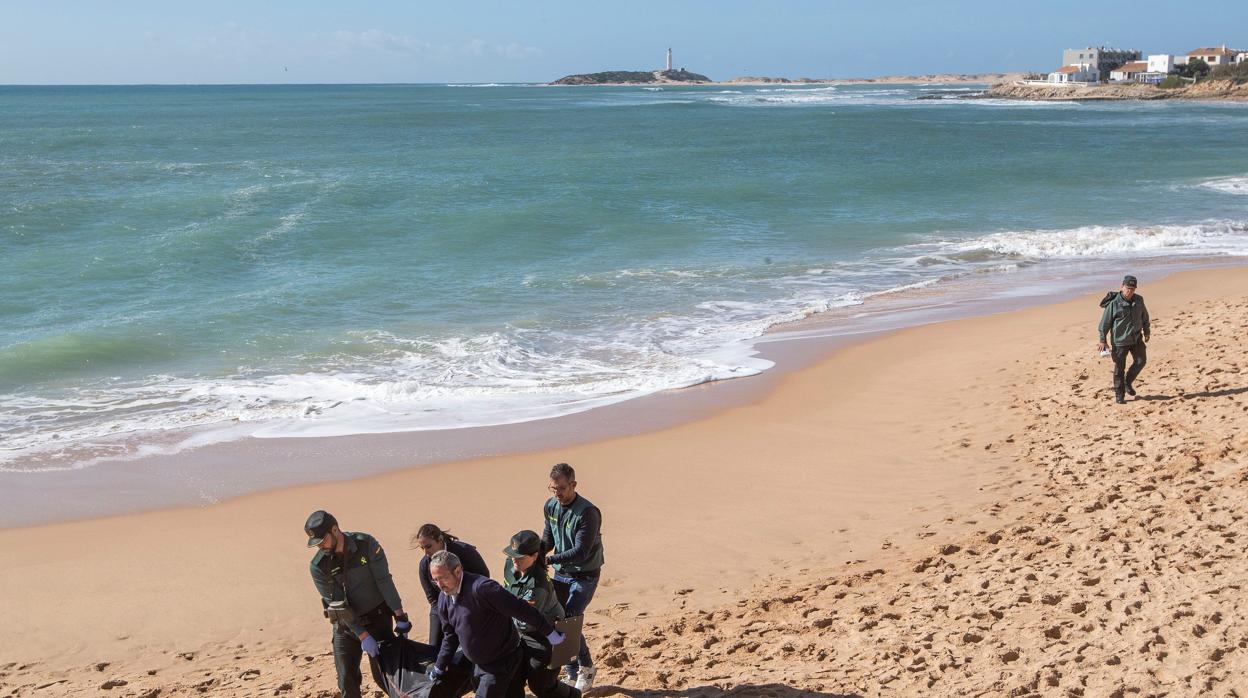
574,532
476,614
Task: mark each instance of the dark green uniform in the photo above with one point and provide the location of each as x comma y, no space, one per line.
361,576
578,551
534,586
1124,321
574,533
1127,324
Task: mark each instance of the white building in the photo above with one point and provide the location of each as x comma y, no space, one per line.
1081,73
1161,63
1129,72
1213,57
669,59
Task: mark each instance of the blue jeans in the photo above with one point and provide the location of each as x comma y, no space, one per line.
575,593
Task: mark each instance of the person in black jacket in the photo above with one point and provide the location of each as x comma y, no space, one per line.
430,539
478,617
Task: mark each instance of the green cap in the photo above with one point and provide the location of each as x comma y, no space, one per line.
523,543
317,525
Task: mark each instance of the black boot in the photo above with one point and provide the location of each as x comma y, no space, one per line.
1118,398
1130,390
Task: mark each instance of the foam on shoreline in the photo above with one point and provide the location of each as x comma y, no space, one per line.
498,379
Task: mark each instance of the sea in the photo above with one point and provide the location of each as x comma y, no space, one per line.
187,265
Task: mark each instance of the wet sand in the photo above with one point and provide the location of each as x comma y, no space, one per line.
945,510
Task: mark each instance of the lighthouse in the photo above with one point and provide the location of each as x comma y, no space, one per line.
669,59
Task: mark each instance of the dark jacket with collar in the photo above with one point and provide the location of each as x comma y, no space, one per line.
468,557
479,620
1125,321
361,576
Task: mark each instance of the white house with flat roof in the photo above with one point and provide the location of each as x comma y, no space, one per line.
1072,74
1161,63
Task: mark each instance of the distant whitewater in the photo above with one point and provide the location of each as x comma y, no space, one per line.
188,265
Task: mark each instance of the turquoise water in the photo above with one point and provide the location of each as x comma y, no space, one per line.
279,261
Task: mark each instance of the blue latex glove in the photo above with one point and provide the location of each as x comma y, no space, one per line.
555,638
433,673
402,625
369,645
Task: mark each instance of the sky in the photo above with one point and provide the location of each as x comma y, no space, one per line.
410,41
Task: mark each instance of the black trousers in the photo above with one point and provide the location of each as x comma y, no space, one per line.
534,670
1139,357
492,681
347,652
435,626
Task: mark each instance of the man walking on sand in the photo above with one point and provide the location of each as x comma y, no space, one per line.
1125,320
574,532
352,576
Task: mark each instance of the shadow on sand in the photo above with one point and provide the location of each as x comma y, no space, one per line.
1188,396
769,690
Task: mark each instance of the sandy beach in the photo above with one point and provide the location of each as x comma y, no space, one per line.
954,509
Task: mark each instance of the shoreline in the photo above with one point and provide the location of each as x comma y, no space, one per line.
831,483
997,86
219,472
1208,91
761,81
914,446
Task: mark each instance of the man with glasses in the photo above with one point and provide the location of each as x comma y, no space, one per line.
1125,320
478,618
573,531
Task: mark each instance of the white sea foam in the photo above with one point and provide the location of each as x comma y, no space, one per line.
1212,237
513,374
1228,185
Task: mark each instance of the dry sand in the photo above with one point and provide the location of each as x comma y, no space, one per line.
955,509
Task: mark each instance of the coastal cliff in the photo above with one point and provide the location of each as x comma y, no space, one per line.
635,77
1208,90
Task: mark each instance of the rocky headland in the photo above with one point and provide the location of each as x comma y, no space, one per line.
635,77
1219,90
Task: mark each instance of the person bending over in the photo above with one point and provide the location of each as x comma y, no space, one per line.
477,616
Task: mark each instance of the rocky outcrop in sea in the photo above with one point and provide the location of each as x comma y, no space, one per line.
635,77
